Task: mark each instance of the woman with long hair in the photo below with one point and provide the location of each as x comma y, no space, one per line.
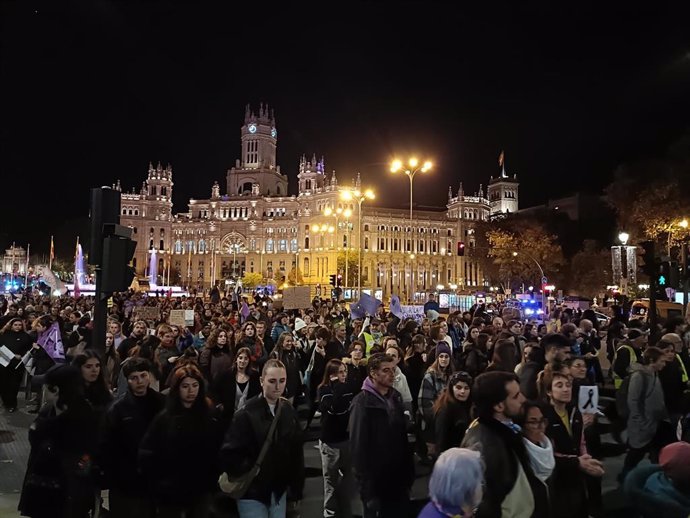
286,352
250,339
111,361
233,388
452,411
434,382
95,386
335,398
17,340
216,356
178,455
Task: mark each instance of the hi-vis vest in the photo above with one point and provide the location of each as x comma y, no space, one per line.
617,380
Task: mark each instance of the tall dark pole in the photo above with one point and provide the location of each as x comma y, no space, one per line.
105,209
684,278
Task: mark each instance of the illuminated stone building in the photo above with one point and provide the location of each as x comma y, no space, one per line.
253,224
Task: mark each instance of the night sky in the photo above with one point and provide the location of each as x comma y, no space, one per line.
93,91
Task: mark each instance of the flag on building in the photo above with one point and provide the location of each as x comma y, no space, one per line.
52,253
501,159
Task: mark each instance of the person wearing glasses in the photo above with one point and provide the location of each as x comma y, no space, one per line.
538,445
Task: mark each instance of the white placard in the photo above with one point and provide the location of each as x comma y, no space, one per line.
414,312
588,399
6,356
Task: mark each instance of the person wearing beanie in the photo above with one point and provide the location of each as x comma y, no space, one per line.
662,489
434,382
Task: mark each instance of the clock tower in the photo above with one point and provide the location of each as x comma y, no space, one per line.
259,137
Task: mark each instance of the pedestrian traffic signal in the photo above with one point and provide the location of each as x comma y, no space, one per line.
668,274
663,278
333,280
117,271
461,248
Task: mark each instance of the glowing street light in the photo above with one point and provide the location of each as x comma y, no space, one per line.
623,238
410,170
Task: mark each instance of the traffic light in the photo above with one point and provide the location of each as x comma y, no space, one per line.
461,248
663,275
650,266
340,280
117,271
333,281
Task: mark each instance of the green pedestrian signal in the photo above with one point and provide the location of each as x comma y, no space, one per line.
662,280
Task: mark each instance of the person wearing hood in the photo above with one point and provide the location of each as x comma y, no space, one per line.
662,489
647,410
381,455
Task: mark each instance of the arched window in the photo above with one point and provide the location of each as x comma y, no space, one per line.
366,242
306,243
269,245
282,245
293,245
202,246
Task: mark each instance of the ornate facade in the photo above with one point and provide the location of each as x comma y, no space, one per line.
256,225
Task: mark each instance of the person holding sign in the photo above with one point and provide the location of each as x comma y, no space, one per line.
565,429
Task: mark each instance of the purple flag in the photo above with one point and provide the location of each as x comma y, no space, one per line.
51,341
395,306
244,310
368,304
357,311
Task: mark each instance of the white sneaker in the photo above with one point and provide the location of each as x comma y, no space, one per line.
317,414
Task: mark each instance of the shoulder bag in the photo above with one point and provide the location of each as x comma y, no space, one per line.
237,486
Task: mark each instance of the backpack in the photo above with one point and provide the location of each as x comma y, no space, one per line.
622,395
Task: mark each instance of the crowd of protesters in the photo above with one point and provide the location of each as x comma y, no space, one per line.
160,413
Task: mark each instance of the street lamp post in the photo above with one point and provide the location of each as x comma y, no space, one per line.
337,213
359,197
410,170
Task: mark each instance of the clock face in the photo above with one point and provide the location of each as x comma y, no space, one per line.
252,128
273,132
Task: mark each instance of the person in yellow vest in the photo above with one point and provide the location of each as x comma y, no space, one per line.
629,351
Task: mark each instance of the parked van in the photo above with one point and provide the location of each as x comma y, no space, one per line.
664,309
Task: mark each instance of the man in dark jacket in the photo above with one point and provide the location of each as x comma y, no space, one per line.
381,456
555,347
125,424
280,481
511,488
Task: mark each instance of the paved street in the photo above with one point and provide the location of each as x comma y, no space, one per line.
14,450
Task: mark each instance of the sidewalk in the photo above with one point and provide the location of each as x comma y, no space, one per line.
14,453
